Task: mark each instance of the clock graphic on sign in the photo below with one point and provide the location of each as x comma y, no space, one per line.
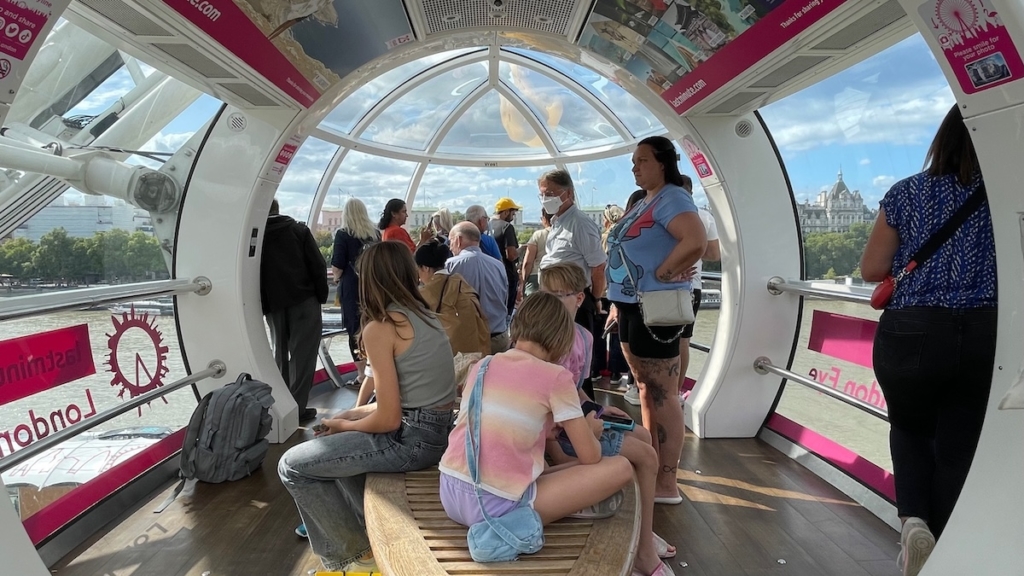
138,357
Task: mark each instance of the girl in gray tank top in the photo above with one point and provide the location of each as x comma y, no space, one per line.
406,429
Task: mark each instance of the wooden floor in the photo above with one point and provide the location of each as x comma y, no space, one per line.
748,510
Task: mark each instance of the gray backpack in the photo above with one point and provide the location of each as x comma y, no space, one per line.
225,439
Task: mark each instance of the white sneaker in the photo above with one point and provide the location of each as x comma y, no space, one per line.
632,395
916,544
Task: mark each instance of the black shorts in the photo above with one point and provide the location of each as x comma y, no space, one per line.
634,332
688,331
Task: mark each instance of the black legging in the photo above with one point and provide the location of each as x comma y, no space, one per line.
934,366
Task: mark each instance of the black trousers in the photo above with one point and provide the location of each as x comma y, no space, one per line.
295,335
586,316
934,366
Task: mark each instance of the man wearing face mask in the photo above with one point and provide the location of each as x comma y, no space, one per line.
576,239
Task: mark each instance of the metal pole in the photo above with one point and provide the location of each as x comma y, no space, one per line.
216,369
37,304
778,285
764,365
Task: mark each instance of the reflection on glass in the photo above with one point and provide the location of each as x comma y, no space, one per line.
344,117
412,120
610,179
140,347
637,118
372,179
298,186
491,126
862,433
572,122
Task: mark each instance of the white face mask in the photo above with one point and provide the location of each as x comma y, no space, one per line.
552,204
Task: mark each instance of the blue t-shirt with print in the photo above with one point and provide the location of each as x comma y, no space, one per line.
643,235
962,272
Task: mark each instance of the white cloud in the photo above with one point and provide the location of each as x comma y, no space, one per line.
864,161
883,181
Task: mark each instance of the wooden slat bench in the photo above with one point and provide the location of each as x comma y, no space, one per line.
412,536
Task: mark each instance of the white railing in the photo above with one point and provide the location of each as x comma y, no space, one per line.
37,304
764,365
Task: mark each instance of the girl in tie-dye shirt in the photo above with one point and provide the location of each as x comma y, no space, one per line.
524,395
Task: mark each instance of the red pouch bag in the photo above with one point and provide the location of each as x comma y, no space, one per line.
883,293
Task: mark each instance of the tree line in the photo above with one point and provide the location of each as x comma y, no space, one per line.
111,256
833,254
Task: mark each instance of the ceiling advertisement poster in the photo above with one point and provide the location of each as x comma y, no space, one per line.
684,50
295,44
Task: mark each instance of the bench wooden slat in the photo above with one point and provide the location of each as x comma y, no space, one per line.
411,535
406,551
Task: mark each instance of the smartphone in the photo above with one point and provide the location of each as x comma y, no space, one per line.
617,422
589,407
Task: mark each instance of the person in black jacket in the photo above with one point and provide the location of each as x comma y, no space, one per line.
293,285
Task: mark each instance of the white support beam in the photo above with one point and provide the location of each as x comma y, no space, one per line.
325,185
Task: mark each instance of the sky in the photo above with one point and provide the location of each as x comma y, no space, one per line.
873,121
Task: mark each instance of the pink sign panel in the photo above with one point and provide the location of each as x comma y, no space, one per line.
35,363
225,22
697,158
975,43
21,26
843,337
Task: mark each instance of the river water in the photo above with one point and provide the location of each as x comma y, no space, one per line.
140,361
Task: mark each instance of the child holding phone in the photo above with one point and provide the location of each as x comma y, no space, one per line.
524,395
567,282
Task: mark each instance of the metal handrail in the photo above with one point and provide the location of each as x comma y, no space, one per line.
763,365
711,276
778,285
216,369
37,304
701,347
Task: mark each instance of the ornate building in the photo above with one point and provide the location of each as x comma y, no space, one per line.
834,210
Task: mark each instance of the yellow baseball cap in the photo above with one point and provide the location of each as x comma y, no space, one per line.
506,204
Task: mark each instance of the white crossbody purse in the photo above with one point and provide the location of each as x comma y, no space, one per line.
662,307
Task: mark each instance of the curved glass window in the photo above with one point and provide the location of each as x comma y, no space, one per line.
298,186
372,179
845,141
412,119
520,105
344,117
492,125
634,115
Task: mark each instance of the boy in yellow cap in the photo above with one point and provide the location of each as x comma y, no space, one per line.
504,233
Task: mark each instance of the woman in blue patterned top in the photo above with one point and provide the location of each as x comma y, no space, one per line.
659,240
935,344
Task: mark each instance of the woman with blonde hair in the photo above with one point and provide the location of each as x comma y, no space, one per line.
441,222
405,430
356,232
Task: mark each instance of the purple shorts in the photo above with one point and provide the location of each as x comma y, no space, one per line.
459,500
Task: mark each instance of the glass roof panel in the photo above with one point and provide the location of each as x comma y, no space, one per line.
491,126
412,120
637,118
344,117
572,122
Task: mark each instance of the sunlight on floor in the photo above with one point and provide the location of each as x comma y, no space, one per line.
774,492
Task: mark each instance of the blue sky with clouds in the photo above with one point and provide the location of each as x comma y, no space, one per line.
874,120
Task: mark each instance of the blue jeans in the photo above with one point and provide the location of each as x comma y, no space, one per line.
326,477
